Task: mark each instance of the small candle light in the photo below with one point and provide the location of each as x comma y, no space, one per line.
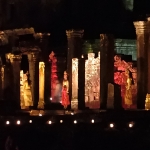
49,122
75,121
7,122
92,120
30,121
111,125
61,121
18,122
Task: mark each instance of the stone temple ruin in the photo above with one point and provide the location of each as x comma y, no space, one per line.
106,73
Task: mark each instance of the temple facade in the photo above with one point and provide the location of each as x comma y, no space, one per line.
105,74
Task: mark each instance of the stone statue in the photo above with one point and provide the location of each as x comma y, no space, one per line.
27,91
65,91
128,93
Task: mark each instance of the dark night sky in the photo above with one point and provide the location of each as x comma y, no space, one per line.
94,16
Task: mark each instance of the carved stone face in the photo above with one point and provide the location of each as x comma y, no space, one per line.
65,76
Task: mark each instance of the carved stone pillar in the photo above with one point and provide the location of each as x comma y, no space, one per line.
34,74
81,83
41,85
74,51
143,61
1,80
8,78
106,66
15,62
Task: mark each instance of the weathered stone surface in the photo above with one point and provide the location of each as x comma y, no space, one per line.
110,96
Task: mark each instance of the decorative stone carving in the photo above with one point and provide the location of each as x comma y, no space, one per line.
92,81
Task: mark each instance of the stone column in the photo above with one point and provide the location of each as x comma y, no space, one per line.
41,85
15,62
8,78
74,51
34,74
81,83
74,101
1,80
143,61
106,66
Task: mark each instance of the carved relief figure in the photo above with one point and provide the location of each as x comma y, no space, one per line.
65,91
128,93
27,91
92,80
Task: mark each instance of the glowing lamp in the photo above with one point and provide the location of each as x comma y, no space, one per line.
49,122
40,114
111,125
30,121
75,121
72,113
61,121
7,122
131,125
92,120
51,98
18,122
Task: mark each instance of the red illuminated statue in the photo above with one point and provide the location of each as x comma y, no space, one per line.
65,89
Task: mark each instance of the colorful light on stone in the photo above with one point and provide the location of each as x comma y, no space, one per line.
41,84
92,80
74,101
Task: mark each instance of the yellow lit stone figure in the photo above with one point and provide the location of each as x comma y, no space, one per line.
41,85
147,101
128,93
27,92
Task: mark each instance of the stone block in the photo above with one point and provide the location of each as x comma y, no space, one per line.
74,104
110,96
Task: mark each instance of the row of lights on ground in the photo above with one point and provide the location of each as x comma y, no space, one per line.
111,125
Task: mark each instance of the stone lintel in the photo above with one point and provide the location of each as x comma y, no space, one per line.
142,27
14,57
32,57
74,33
